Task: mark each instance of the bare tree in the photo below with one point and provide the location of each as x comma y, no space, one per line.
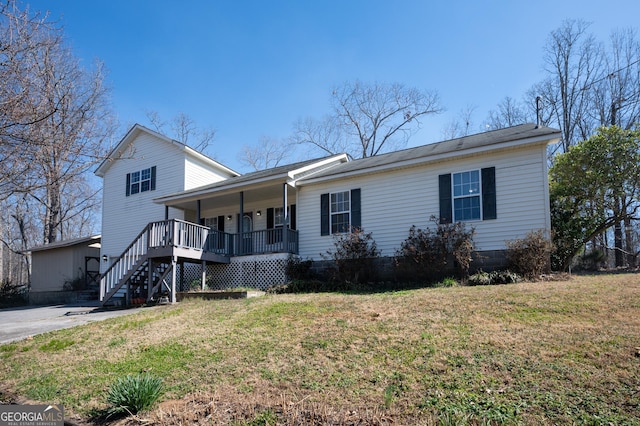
510,113
267,154
573,62
52,129
461,125
616,95
368,119
24,40
326,135
183,129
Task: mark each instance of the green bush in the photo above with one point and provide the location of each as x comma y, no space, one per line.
530,256
427,255
134,393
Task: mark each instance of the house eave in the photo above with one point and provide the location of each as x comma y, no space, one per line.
136,130
537,140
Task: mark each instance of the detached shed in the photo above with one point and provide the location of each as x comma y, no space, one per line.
66,271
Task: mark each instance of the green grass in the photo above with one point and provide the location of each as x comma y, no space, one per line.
528,353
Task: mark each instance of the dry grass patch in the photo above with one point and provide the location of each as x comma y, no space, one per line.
532,353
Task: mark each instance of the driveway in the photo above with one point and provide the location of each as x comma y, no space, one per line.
20,323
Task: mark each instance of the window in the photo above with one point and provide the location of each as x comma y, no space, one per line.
276,220
211,222
141,181
469,195
278,217
135,182
339,212
466,196
145,180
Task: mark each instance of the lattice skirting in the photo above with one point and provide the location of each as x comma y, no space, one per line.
260,272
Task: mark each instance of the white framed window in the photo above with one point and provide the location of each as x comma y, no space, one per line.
278,217
135,182
340,212
141,181
211,222
467,195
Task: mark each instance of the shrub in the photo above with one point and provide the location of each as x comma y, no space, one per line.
427,254
12,294
530,256
448,282
134,393
354,255
298,269
496,277
75,284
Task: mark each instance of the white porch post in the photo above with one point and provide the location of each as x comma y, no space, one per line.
204,274
285,227
174,262
240,223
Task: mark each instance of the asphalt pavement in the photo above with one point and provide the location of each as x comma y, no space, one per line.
25,321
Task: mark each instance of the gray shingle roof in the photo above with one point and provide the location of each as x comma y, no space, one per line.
495,137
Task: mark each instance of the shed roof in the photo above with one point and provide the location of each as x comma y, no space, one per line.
84,241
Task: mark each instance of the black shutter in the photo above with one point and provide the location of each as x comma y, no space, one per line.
489,210
271,237
128,191
324,214
221,237
446,211
292,216
356,217
153,178
270,218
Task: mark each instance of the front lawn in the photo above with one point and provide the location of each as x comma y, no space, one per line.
531,353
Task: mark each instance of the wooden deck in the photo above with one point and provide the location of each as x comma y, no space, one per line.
160,245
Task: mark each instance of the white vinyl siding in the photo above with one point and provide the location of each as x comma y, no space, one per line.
394,201
197,173
119,223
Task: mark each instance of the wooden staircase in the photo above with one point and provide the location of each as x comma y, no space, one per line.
142,269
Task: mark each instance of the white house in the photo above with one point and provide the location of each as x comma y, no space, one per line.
238,230
143,166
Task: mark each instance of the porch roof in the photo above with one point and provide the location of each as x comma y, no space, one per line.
265,181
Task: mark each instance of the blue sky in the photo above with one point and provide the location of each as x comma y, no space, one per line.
252,68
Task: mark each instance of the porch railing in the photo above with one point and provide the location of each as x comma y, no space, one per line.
264,241
179,233
165,233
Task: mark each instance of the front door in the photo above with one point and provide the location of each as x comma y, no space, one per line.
247,233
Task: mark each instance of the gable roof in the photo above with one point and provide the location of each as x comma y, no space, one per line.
136,131
287,173
467,145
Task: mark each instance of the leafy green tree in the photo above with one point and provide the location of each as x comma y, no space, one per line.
594,187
